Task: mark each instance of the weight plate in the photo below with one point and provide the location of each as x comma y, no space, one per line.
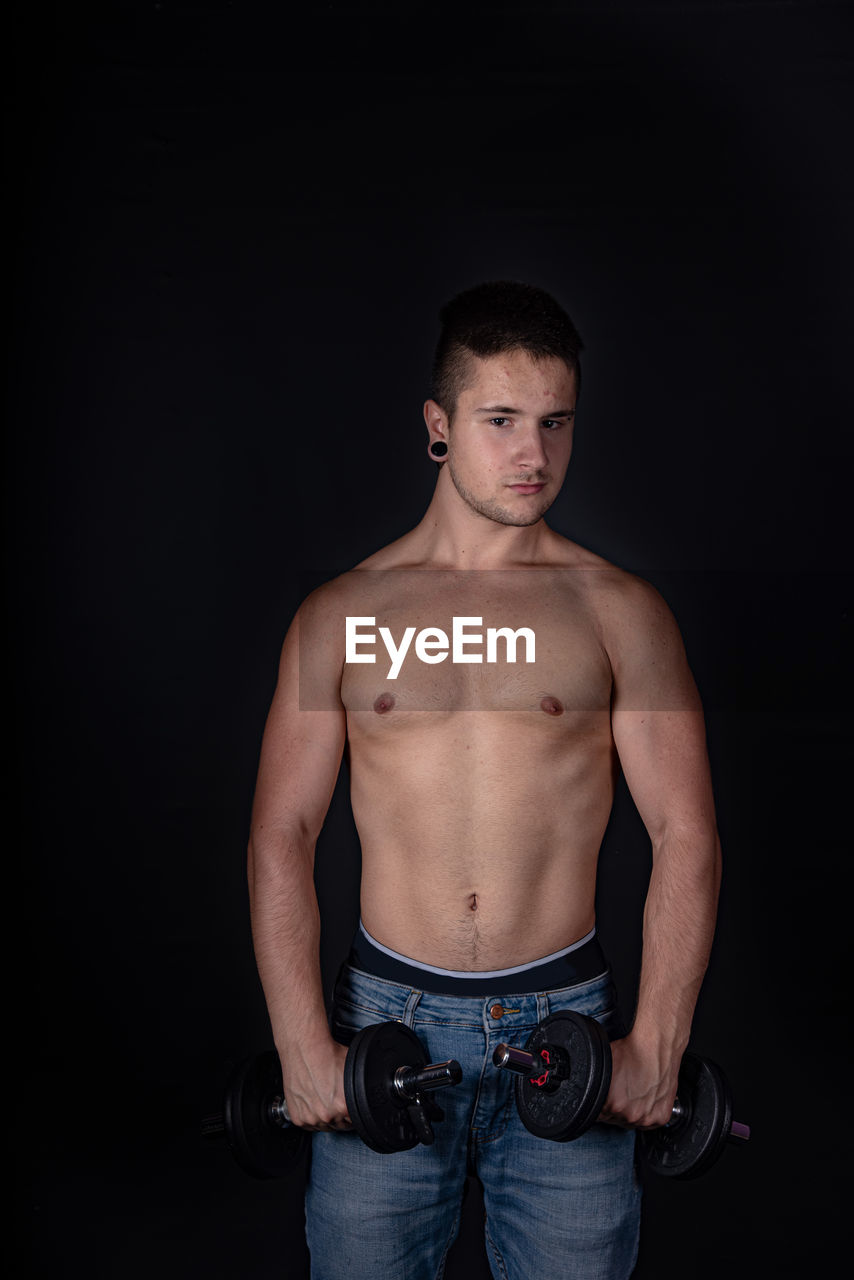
565,1112
261,1147
378,1115
689,1147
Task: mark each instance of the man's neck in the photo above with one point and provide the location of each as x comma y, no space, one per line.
455,537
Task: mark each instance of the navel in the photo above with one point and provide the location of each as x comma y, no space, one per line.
383,703
552,706
473,902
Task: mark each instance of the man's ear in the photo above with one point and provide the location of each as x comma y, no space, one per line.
436,420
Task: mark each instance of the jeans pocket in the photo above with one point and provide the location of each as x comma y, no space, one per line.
597,999
347,1018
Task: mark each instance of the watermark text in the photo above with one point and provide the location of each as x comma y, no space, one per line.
432,644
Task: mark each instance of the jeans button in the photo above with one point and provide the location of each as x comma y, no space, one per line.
497,1011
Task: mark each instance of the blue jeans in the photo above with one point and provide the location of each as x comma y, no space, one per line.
560,1209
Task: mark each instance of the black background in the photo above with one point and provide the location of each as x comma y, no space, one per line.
231,231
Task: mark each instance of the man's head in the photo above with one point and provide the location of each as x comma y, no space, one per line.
505,385
494,318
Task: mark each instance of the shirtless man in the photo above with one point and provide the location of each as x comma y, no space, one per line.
481,791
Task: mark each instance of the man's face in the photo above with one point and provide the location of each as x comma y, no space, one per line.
510,437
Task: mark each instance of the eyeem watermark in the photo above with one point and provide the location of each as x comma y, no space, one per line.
432,644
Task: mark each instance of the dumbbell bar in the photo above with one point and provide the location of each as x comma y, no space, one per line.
387,1084
564,1076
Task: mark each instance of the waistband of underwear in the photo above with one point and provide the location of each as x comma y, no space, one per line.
580,962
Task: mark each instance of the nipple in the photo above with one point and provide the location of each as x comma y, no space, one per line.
552,706
384,703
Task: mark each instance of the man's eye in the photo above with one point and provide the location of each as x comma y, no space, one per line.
499,422
551,423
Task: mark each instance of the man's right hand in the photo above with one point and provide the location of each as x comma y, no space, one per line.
314,1087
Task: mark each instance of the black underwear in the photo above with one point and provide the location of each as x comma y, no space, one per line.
580,963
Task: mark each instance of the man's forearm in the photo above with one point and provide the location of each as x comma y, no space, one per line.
286,932
678,928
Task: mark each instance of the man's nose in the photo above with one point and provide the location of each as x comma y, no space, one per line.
530,449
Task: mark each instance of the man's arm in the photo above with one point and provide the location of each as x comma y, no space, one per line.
659,731
300,758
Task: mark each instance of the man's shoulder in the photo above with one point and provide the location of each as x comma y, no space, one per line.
345,591
620,599
625,600
330,597
602,578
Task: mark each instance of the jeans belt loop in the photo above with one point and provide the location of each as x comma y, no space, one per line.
412,1003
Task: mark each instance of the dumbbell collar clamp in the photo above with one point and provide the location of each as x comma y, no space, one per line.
546,1068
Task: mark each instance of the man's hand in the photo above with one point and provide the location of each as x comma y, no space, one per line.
314,1086
643,1085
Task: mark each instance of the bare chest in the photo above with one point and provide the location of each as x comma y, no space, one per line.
529,650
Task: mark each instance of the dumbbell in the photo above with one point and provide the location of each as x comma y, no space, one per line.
564,1073
387,1083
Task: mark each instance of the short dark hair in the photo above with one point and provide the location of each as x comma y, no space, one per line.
501,315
